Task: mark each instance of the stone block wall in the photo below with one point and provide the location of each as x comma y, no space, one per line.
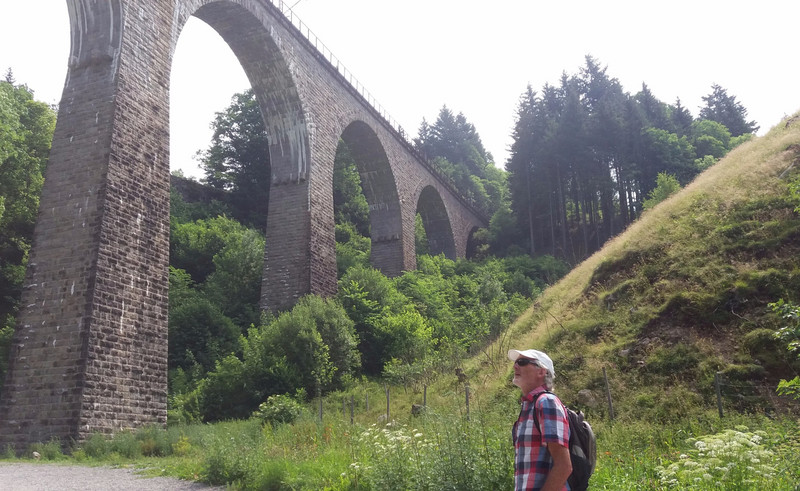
90,350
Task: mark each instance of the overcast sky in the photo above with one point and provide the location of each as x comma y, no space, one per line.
414,56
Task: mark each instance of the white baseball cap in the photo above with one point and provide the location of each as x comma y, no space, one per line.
533,354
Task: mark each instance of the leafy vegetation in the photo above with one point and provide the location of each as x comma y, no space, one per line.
688,294
790,336
585,155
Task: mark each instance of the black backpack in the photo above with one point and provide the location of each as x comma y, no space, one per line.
582,447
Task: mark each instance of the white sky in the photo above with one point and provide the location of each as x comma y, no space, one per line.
414,56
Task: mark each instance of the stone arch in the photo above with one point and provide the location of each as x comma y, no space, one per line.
273,83
436,222
294,263
380,190
89,353
472,246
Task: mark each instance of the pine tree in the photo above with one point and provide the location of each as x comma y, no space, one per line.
726,110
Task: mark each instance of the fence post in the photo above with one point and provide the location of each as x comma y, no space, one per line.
608,396
366,400
344,407
719,394
466,391
425,396
319,394
387,402
352,408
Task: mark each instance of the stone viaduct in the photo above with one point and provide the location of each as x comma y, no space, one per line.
90,349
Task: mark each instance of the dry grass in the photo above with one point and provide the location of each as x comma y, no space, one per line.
675,230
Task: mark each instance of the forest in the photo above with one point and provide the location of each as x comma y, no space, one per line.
587,159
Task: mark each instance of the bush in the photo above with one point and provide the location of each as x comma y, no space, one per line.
666,185
279,409
126,445
154,442
48,451
96,446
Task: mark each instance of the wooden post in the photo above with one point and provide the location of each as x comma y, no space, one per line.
344,407
319,394
366,400
352,407
425,396
608,396
466,391
387,403
719,394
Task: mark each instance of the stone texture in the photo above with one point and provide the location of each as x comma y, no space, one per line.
90,350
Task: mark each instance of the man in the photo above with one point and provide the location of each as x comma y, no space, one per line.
541,433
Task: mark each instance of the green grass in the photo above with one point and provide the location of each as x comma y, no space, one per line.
682,295
444,450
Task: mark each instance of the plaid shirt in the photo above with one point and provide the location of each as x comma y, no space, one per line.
532,461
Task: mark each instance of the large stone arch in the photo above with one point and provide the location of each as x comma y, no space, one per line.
298,259
380,189
436,222
89,352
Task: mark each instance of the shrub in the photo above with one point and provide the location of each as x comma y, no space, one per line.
666,185
48,451
96,446
126,445
182,447
154,442
279,409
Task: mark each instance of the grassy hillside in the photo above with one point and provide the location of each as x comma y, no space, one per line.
680,296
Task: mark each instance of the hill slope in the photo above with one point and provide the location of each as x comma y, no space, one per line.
681,295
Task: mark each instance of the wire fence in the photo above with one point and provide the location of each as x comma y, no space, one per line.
743,395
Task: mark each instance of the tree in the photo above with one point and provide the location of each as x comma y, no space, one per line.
680,118
225,260
349,203
726,110
710,138
367,296
238,158
666,186
790,335
666,152
235,284
199,332
452,144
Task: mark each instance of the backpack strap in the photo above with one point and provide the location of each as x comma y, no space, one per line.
536,418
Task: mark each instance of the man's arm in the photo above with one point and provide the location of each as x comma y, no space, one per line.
562,467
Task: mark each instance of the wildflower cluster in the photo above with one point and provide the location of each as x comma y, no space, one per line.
733,458
392,456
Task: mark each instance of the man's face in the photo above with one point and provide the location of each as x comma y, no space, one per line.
528,374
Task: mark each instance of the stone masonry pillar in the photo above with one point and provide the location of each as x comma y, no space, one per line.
90,350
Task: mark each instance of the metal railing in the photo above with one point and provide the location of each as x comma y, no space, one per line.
378,110
326,53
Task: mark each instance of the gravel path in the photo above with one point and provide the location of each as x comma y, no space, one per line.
45,477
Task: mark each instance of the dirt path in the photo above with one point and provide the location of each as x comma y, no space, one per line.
39,477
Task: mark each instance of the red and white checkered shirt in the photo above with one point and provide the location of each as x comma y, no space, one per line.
532,460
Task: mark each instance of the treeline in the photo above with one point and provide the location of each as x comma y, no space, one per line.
586,154
226,357
585,157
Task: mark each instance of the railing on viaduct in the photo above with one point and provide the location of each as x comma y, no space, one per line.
332,63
